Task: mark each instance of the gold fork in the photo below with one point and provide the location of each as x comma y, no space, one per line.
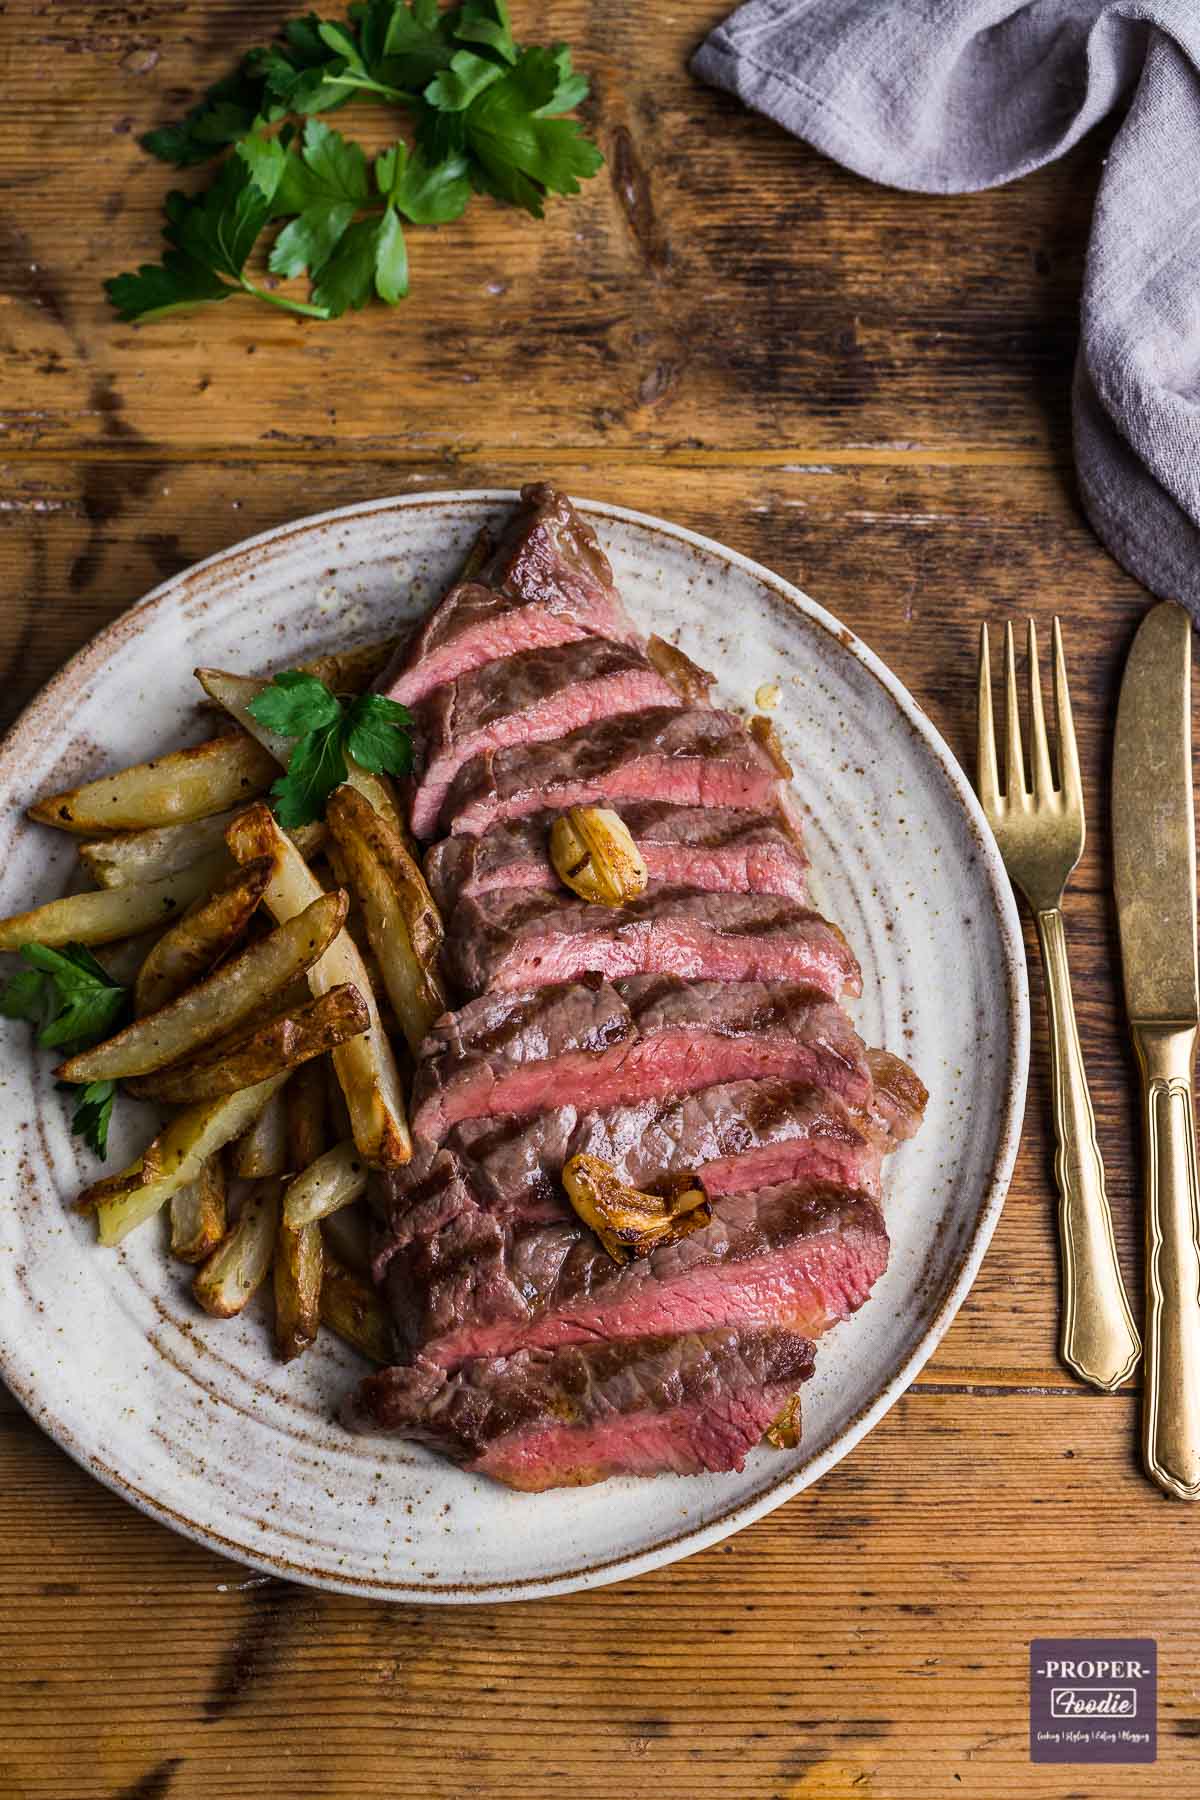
1040,834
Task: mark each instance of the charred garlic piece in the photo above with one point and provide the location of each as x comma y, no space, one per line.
593,853
629,1223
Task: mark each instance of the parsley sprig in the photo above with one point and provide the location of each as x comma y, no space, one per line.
488,116
73,1002
371,730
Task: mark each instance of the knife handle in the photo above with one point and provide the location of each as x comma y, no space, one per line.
1099,1338
1171,1406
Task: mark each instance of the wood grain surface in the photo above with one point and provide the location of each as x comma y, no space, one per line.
867,391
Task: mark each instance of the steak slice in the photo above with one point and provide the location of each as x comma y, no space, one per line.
801,1256
719,848
547,582
526,699
740,1135
899,1097
609,1045
566,1418
689,757
523,940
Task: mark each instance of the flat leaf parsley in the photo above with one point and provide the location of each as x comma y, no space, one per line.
74,1003
371,729
488,116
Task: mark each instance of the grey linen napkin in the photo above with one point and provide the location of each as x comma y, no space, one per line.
949,96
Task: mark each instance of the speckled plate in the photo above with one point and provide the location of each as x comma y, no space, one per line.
192,1419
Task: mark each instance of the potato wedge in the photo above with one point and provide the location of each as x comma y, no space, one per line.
352,671
175,1158
325,1186
263,1150
241,1262
304,1101
131,856
209,927
198,1213
352,1308
136,856
212,1007
235,692
111,913
283,1042
403,924
366,1065
183,784
347,1235
299,1264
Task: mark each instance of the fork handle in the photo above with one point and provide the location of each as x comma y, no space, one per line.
1099,1338
1171,1401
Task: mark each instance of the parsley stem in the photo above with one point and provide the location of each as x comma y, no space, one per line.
397,96
281,300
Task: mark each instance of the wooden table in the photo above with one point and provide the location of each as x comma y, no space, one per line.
868,391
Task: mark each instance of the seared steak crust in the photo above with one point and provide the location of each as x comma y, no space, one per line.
538,1419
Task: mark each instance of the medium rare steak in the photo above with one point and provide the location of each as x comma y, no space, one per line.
803,1256
569,1417
719,848
609,1044
687,757
548,582
509,942
529,698
742,1134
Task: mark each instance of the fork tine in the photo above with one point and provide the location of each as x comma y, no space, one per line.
1068,754
1039,751
988,779
1014,779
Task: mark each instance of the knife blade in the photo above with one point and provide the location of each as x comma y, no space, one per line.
1154,875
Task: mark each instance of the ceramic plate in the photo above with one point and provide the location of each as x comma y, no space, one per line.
194,1420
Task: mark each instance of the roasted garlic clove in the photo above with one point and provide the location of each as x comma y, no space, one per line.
783,1433
593,853
627,1222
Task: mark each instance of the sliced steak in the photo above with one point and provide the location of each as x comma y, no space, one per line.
801,1256
686,757
529,698
605,1045
718,848
566,1418
548,582
523,940
899,1098
740,1135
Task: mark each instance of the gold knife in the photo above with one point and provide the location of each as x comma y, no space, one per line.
1154,865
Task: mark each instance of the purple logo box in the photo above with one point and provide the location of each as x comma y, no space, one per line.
1093,1700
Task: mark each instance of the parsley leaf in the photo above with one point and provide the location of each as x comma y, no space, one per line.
294,704
211,238
371,730
316,766
375,735
80,1002
427,193
73,1002
93,1112
521,149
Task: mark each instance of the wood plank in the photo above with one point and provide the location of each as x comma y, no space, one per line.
871,1637
717,284
910,558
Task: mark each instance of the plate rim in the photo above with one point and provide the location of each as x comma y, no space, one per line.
687,1540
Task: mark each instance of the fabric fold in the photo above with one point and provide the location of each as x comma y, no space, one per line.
952,96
